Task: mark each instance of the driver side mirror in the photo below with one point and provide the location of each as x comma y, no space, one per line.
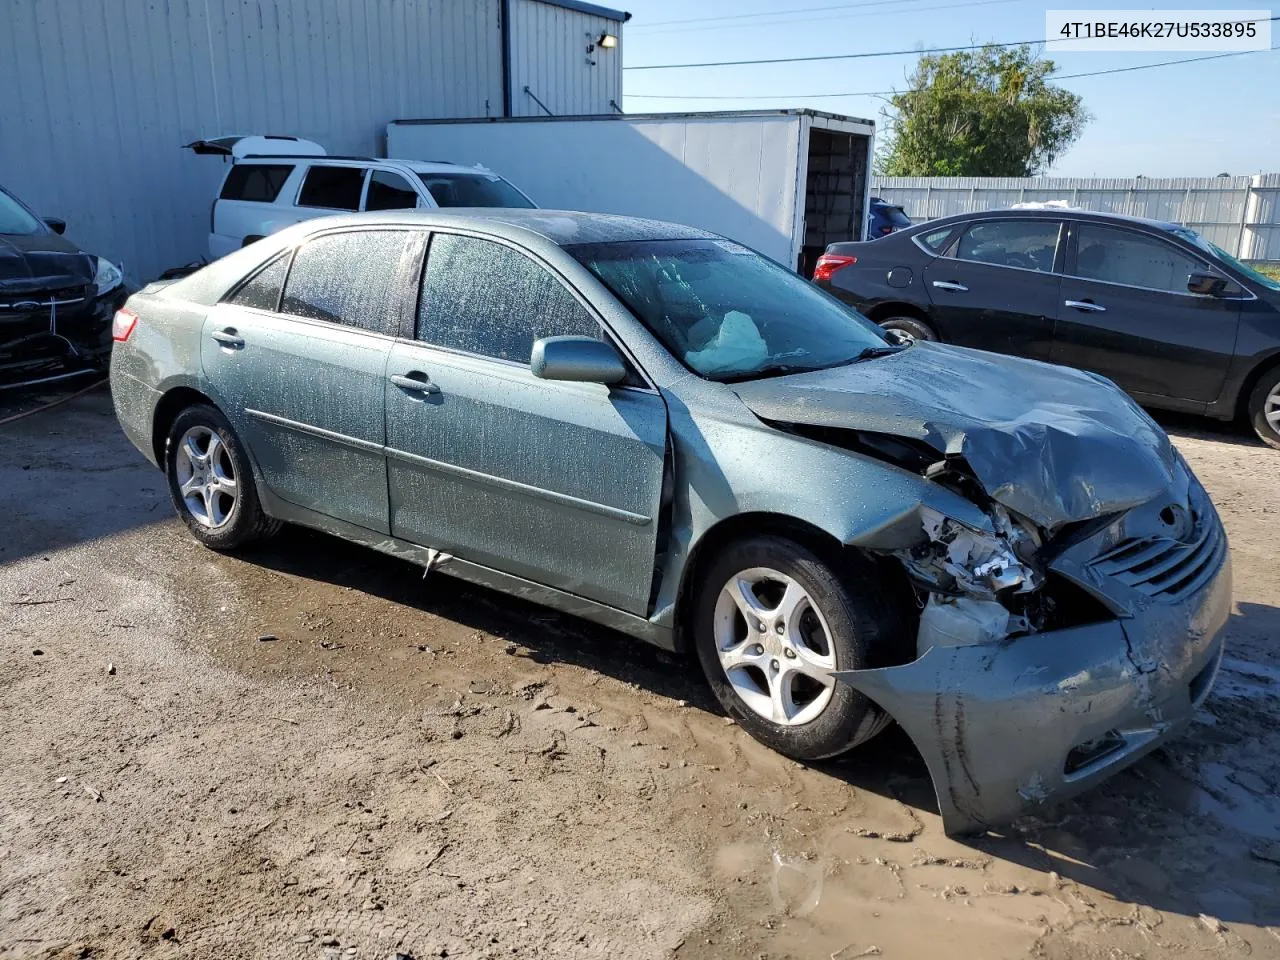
577,359
56,224
1206,284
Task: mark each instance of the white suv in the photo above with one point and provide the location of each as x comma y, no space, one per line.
278,181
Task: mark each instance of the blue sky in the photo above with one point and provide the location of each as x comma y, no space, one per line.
1196,119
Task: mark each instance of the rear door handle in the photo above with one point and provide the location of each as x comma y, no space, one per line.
415,380
1088,306
229,338
950,285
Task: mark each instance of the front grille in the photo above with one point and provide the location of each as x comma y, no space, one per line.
66,296
1164,568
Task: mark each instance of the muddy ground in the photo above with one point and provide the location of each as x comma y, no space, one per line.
312,752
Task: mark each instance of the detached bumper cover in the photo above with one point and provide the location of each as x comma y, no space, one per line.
1005,728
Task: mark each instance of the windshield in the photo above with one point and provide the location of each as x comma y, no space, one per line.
14,217
473,190
1212,248
727,313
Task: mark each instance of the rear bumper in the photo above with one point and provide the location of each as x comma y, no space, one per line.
135,403
1006,728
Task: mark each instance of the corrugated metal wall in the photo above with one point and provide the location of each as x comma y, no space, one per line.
101,94
1239,214
549,56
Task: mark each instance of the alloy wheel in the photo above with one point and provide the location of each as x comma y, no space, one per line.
206,477
774,646
1271,408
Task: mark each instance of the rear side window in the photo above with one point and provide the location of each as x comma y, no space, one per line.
1123,256
334,188
353,278
936,240
485,298
262,292
259,182
1027,244
389,191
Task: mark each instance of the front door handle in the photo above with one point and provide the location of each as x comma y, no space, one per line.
415,380
1088,306
229,338
951,285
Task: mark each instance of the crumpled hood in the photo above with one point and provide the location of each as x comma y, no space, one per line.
41,261
1051,443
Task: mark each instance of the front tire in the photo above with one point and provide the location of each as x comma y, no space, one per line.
772,619
211,481
1264,408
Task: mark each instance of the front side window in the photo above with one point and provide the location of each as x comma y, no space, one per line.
473,190
14,218
1212,248
334,188
1131,258
389,191
728,313
262,291
256,182
482,297
1026,244
352,278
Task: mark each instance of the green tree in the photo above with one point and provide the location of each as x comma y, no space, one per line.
980,113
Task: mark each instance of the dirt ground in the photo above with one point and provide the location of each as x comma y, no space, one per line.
312,752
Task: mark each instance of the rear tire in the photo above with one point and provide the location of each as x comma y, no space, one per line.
211,481
1264,408
915,329
768,675
252,238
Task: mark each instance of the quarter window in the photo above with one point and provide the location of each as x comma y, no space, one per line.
389,191
1028,244
936,240
353,278
1124,256
262,291
334,188
485,298
257,182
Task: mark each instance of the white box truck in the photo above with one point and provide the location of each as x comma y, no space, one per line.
785,182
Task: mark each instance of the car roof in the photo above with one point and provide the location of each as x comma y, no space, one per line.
411,166
560,227
1048,213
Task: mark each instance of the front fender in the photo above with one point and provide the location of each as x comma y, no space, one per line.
729,466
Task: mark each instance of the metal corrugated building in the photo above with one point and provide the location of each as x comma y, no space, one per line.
101,94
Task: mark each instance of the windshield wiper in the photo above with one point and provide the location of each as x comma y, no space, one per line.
769,370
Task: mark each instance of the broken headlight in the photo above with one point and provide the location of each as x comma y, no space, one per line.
960,560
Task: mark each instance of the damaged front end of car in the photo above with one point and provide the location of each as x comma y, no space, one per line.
1069,626
1049,658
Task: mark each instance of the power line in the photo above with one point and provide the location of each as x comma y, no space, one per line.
770,13
885,93
862,15
868,54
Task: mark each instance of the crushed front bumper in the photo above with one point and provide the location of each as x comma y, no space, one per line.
1005,728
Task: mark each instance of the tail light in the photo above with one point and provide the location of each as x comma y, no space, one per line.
122,325
886,230
829,263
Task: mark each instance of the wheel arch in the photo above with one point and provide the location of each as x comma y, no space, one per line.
899,308
743,525
1268,365
172,403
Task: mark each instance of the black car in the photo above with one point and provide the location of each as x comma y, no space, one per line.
56,301
1173,319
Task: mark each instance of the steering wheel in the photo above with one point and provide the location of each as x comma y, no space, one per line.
1019,260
